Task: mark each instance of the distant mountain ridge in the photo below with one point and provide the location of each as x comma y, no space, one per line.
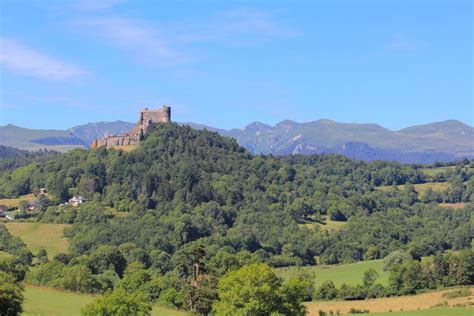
440,141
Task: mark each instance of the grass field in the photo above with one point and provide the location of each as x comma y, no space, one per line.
325,224
117,213
438,311
16,201
126,148
4,254
43,301
420,188
339,274
39,235
421,304
453,205
434,171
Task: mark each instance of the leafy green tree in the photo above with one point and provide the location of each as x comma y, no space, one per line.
135,277
255,290
46,274
292,293
78,279
327,291
42,256
23,205
250,290
14,268
107,257
406,278
11,295
395,258
42,203
119,303
369,277
24,256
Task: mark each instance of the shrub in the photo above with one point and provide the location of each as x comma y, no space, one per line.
119,303
11,295
327,291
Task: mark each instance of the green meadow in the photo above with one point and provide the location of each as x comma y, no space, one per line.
441,311
43,301
345,273
40,235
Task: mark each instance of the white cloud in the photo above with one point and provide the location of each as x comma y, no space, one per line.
166,44
29,62
147,43
240,26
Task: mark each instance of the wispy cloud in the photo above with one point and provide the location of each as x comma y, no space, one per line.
402,42
147,43
94,5
29,62
166,44
239,26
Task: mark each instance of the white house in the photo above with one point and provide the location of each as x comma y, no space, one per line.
76,200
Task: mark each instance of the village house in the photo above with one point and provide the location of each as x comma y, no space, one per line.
76,200
32,205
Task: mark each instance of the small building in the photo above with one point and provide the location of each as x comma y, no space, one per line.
76,200
32,205
42,191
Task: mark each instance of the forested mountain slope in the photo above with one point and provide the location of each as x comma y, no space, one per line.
186,207
12,158
185,186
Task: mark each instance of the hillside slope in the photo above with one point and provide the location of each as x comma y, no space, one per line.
441,141
425,143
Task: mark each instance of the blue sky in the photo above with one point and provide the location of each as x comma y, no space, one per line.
226,64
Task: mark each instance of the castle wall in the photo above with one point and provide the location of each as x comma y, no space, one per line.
147,117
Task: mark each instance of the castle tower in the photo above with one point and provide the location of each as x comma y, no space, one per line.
166,114
147,117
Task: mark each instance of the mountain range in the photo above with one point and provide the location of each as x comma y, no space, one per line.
441,141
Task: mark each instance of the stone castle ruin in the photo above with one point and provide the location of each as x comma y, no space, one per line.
147,117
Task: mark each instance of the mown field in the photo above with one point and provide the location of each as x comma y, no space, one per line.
420,188
16,201
325,224
39,235
435,171
438,311
339,274
43,301
453,205
421,304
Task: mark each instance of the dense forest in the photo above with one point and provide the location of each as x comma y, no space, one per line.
12,158
197,204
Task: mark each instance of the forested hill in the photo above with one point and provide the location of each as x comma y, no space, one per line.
12,158
185,198
185,186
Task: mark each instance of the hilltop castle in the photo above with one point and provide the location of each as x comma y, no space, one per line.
147,117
